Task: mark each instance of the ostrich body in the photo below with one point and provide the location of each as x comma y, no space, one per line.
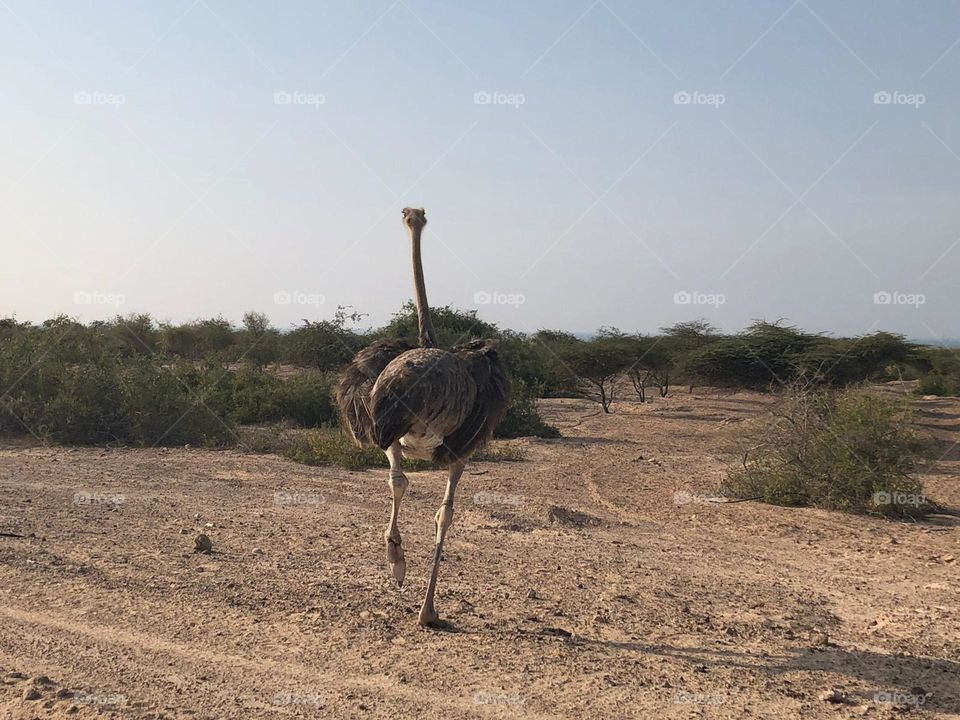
423,402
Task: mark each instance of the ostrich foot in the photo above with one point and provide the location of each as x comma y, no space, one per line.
395,558
429,618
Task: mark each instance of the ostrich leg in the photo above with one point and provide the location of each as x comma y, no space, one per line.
398,484
428,615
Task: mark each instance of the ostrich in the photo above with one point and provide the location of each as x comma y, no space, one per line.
423,402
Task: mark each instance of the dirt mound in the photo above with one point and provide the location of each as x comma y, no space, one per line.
571,518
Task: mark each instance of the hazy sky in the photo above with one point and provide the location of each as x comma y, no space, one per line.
582,163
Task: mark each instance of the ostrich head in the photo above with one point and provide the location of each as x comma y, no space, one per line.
414,218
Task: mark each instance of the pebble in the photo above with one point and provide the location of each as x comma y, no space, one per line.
202,544
833,696
31,693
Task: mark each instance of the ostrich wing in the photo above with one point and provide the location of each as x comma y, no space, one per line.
489,374
356,382
425,392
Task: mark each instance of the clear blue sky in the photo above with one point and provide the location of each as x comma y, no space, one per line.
147,159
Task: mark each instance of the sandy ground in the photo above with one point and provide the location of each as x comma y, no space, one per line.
577,583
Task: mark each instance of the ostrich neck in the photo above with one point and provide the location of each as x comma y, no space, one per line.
427,338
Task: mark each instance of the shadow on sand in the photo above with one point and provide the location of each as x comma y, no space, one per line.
884,674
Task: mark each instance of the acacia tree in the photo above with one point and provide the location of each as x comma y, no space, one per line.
258,339
651,365
679,342
597,364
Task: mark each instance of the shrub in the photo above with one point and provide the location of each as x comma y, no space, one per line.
253,396
938,384
522,418
838,450
307,399
765,354
159,408
114,400
88,407
330,446
451,326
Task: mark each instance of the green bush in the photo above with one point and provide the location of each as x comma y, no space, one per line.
522,418
255,395
307,399
764,355
116,400
160,408
330,446
938,384
451,326
838,450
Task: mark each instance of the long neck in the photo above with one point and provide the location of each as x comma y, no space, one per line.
427,338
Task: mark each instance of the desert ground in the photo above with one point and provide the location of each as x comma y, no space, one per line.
595,578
